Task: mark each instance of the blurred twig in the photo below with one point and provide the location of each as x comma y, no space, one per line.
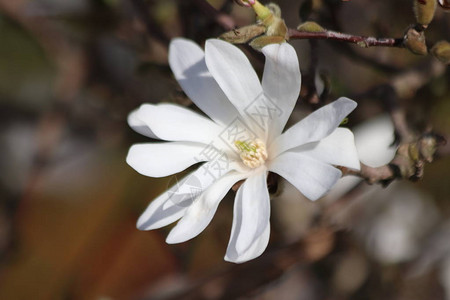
222,19
260,272
150,24
70,62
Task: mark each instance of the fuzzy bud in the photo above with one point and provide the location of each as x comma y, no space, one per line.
262,41
275,9
310,27
275,26
424,11
244,34
414,41
441,50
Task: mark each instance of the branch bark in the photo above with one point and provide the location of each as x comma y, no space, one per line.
408,162
363,41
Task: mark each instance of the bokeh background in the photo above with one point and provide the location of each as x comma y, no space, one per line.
72,70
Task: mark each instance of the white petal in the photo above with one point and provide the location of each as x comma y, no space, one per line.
233,72
314,127
163,159
138,125
337,149
281,81
374,140
187,61
311,177
201,212
175,123
172,204
255,250
251,214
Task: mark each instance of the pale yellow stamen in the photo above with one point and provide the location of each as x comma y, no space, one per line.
253,153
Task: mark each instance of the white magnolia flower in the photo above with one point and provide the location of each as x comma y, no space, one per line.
241,139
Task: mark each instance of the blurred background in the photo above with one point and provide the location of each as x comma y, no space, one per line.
72,70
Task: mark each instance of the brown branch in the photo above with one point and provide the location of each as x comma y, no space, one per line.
363,41
408,162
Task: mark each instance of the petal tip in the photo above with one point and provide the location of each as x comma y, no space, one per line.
140,224
353,104
174,238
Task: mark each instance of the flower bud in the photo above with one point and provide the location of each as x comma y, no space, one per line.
275,26
441,50
243,35
275,9
310,27
269,23
262,41
424,11
414,41
428,146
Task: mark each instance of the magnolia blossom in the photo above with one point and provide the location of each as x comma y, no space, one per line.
240,138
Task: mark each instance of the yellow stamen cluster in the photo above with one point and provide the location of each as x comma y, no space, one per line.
253,153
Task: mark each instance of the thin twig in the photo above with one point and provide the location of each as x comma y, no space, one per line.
372,175
408,162
363,41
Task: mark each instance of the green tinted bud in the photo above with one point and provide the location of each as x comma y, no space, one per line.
424,11
310,27
262,41
275,9
275,26
441,50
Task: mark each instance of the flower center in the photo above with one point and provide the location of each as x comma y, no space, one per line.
253,153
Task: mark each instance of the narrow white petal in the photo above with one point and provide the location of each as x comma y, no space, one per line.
251,214
311,177
138,125
187,61
172,204
337,149
314,127
233,72
201,212
175,123
163,159
255,250
281,82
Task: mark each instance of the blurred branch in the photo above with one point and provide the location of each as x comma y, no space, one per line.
70,60
345,49
413,152
152,28
317,243
311,92
222,19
